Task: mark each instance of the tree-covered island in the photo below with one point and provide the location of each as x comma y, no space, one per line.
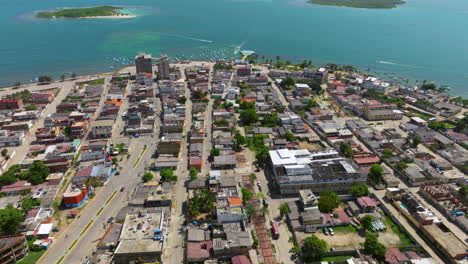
375,4
98,11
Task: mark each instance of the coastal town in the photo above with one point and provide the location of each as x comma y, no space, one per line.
239,162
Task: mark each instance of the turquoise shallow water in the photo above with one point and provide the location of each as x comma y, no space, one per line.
422,40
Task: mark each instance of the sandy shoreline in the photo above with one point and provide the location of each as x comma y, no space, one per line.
120,16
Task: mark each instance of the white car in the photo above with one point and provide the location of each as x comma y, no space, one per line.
331,231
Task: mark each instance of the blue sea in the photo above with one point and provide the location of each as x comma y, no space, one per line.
421,40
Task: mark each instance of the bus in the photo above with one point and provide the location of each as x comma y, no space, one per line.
274,230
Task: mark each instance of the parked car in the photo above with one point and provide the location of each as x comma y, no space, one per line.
259,186
55,229
331,231
122,189
110,220
265,203
325,230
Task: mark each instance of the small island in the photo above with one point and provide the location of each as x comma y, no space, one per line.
374,4
87,12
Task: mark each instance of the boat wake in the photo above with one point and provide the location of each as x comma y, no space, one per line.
238,48
387,62
397,64
185,37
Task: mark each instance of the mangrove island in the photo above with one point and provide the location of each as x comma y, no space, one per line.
375,4
87,12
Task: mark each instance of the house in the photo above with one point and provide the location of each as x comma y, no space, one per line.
13,248
102,129
366,204
41,97
11,104
170,144
141,238
199,251
224,162
295,170
11,138
75,195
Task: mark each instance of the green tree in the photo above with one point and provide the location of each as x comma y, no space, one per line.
198,95
350,90
374,247
4,152
148,176
313,248
115,162
214,152
73,75
167,175
193,173
10,219
360,189
462,125
261,155
67,131
27,203
246,194
271,120
201,202
401,165
346,150
250,210
36,173
290,136
437,126
44,79
328,201
252,177
62,78
387,153
249,116
463,191
17,84
428,86
287,82
366,222
244,105
284,209
31,107
416,141
181,100
376,173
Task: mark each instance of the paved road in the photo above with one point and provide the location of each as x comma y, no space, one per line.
80,238
174,250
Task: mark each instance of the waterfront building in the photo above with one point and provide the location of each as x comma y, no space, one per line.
163,67
143,63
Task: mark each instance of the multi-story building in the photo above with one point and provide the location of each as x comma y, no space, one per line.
143,63
295,170
14,248
11,138
102,129
11,104
163,68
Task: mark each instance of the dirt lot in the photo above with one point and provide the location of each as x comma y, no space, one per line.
351,240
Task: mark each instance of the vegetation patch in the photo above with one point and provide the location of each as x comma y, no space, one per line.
375,4
32,257
82,12
404,239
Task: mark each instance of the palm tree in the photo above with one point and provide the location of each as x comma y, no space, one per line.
62,77
278,58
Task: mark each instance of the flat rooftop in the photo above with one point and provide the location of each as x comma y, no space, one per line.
138,232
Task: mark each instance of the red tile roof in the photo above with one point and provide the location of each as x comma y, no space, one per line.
367,160
199,250
366,202
395,256
241,259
